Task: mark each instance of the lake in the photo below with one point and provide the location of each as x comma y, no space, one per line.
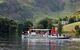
41,44
53,44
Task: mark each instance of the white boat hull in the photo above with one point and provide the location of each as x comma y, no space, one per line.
44,36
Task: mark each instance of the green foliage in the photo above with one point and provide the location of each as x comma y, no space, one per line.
65,18
24,26
72,20
20,28
59,28
77,28
45,24
27,25
7,28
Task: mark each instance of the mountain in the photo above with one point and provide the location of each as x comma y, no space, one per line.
44,7
37,9
13,10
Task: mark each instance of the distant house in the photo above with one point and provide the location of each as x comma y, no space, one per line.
64,22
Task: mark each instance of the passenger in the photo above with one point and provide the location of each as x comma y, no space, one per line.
33,32
53,31
49,32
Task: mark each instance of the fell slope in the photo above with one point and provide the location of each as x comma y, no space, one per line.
36,9
70,27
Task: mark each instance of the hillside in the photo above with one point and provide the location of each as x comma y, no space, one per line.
35,9
12,9
70,27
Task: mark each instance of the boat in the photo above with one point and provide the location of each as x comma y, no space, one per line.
44,36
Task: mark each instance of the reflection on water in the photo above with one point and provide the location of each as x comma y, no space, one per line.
46,44
40,44
11,44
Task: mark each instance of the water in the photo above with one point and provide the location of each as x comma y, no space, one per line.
53,44
41,44
12,44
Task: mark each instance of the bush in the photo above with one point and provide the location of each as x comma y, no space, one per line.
77,28
71,20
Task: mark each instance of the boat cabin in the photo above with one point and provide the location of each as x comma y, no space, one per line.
39,31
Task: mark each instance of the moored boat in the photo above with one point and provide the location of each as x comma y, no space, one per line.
44,35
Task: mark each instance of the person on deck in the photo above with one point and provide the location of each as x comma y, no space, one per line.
53,30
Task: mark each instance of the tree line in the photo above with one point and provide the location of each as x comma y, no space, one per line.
70,19
7,28
10,28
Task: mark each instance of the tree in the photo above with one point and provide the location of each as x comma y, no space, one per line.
45,23
59,27
20,28
7,28
27,25
72,20
77,28
65,18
